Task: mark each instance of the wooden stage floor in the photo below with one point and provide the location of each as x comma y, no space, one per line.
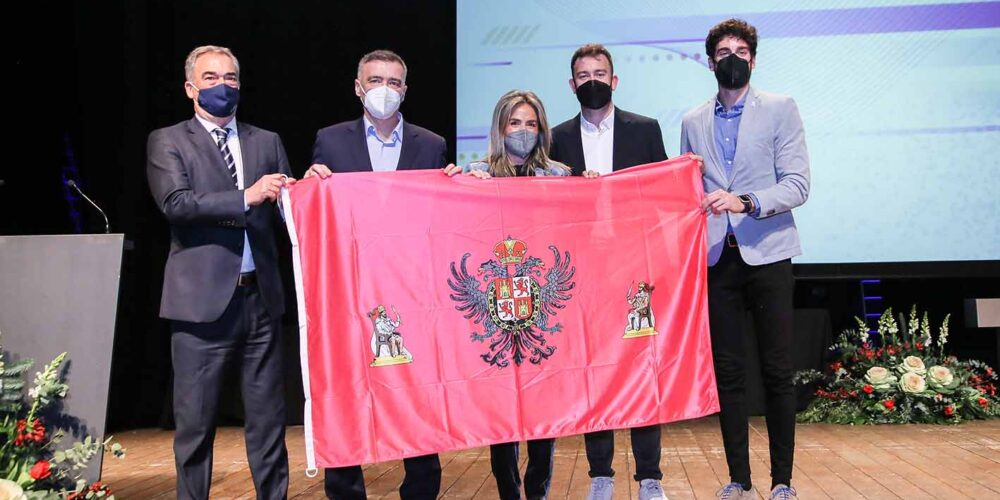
831,461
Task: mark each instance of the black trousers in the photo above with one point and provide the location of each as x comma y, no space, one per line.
245,337
645,447
537,476
766,290
421,482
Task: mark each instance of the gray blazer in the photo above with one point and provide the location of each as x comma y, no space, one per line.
771,162
192,187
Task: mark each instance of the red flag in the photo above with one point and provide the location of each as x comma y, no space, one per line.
443,313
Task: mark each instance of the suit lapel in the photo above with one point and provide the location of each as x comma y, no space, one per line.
575,146
619,147
748,125
248,150
708,132
206,147
362,162
410,148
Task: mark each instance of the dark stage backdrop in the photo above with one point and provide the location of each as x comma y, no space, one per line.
92,79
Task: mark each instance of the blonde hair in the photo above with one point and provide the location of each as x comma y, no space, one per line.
205,49
499,164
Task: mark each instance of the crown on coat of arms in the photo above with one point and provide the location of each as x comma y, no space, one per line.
510,251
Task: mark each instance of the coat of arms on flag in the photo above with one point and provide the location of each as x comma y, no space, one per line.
515,309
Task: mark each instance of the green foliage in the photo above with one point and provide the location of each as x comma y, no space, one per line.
29,459
903,377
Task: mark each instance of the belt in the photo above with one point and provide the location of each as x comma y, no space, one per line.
247,279
731,240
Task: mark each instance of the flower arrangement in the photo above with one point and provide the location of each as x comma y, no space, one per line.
903,376
32,466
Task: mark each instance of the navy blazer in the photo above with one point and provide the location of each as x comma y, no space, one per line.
192,186
638,141
344,148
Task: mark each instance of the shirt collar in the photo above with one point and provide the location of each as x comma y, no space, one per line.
210,127
608,123
735,111
397,133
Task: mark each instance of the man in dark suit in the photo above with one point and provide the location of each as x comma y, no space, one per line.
604,138
216,181
380,141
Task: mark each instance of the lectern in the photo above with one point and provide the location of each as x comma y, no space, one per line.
60,293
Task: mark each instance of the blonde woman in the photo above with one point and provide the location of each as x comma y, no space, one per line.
519,146
520,138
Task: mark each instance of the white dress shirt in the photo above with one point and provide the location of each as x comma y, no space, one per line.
384,154
233,142
599,143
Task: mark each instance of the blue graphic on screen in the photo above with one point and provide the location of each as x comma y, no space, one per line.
900,100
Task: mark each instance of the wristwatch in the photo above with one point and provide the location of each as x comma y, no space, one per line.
748,206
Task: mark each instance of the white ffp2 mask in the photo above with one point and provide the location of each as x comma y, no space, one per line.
382,102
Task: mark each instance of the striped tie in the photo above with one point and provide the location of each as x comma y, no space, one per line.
220,140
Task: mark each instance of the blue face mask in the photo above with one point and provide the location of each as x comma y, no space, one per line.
219,101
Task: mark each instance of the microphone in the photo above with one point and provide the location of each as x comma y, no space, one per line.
107,226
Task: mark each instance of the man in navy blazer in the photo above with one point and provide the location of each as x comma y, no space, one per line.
216,181
606,139
756,172
380,141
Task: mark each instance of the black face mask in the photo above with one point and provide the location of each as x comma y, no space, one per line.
732,72
593,94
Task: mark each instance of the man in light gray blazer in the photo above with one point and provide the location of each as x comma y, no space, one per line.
756,172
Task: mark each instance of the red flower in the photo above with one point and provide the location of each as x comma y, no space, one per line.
892,350
906,345
40,470
983,402
920,346
836,366
889,404
879,352
868,389
36,433
949,411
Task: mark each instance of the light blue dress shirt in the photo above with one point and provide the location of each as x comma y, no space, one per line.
384,155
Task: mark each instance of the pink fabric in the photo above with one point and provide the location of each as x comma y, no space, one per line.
366,240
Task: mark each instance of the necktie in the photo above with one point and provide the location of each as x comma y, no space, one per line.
227,156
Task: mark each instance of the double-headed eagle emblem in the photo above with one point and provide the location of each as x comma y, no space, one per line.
515,309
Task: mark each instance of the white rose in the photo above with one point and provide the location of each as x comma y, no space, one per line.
877,375
9,490
940,375
913,364
912,382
